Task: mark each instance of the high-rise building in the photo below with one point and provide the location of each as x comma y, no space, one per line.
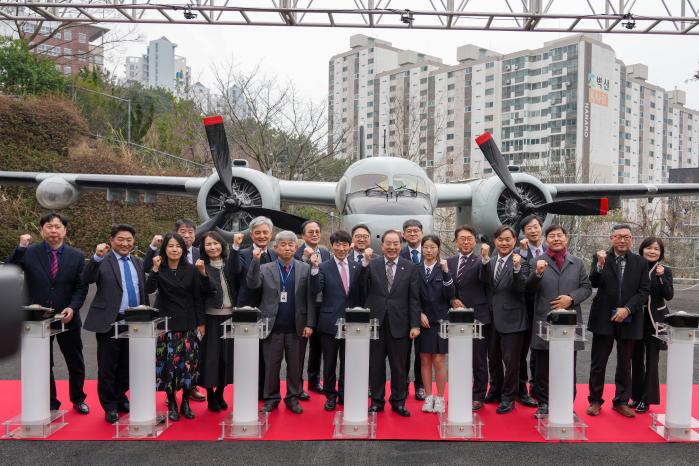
159,67
211,102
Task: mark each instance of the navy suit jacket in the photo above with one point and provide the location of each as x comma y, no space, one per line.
436,292
66,290
334,300
247,296
469,288
405,253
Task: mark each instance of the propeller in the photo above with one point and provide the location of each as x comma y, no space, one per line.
218,144
524,207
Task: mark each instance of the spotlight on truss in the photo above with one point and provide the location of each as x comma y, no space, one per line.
629,21
188,14
407,17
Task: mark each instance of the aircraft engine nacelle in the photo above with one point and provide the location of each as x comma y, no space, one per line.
55,193
250,188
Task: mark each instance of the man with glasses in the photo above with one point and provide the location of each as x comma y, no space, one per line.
361,239
616,315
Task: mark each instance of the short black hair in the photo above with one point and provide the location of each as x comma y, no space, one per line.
308,222
411,222
649,241
434,238
528,219
465,227
213,234
177,237
46,218
390,232
122,227
340,236
361,225
621,226
502,229
184,222
555,227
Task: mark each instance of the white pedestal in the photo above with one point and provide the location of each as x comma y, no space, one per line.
36,419
355,421
245,421
143,421
677,424
460,420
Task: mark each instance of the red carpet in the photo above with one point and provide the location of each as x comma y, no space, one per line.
316,423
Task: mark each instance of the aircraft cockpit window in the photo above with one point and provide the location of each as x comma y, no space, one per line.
369,181
409,185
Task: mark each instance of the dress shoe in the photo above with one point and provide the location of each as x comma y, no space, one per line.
401,411
269,406
624,410
632,404
330,404
55,406
505,407
476,405
111,417
542,411
491,398
374,408
212,404
124,407
304,396
81,408
315,387
594,409
642,407
196,395
528,401
420,394
295,407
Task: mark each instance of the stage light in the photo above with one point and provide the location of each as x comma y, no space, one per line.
407,17
188,14
629,21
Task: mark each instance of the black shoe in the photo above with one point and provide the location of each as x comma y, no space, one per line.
375,408
542,411
295,407
632,404
304,396
81,408
172,412
124,407
420,394
269,406
315,387
221,399
505,407
528,401
212,402
401,411
185,410
341,400
330,404
491,398
642,407
55,405
111,417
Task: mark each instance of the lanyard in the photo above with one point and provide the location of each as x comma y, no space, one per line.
282,278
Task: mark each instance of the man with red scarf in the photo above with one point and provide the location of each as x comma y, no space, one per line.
559,281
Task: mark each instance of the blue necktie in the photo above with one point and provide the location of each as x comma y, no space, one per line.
130,290
415,258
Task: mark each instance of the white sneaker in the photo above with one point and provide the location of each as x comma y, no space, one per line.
428,407
439,405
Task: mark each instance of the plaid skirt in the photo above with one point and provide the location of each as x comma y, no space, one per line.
177,361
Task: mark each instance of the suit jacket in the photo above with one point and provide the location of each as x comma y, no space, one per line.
265,278
401,305
324,253
334,300
405,253
150,254
247,296
179,296
469,287
572,281
661,290
506,295
66,290
634,294
436,292
105,305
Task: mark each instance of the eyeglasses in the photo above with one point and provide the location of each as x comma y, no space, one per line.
362,236
622,237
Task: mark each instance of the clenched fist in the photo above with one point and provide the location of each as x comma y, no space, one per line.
601,258
659,270
485,251
238,239
443,263
157,241
524,244
368,254
25,240
101,249
256,254
157,260
201,266
315,260
541,266
307,252
516,260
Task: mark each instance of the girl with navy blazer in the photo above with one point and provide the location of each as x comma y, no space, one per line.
436,292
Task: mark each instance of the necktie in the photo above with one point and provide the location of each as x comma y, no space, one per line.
360,257
130,289
53,266
537,252
462,266
189,256
621,265
264,258
344,276
286,269
498,269
389,274
428,271
414,254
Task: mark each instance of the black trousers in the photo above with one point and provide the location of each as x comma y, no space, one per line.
645,381
523,376
505,348
315,354
480,364
261,374
395,349
71,345
333,386
601,349
540,388
417,366
112,370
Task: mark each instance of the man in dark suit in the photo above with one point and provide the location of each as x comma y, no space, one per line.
336,281
311,244
472,293
616,315
412,250
52,274
506,275
361,240
389,288
287,301
120,284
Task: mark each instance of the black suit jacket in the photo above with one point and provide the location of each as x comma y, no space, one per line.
469,288
401,305
247,296
634,294
334,300
66,290
506,295
150,254
324,253
179,296
405,253
105,305
661,290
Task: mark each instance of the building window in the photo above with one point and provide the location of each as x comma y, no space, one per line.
68,35
67,70
82,38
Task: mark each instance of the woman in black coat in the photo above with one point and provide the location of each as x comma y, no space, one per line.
179,297
645,383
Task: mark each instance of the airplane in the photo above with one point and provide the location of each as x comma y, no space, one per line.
379,192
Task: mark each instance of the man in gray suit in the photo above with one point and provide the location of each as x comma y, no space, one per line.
288,303
558,281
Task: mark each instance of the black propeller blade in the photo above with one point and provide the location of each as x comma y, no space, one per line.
218,144
597,206
492,154
283,220
215,221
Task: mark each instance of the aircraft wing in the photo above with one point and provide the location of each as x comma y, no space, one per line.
453,194
308,192
563,191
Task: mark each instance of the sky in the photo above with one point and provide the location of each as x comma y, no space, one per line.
301,55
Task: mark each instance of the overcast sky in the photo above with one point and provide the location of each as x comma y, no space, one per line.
301,54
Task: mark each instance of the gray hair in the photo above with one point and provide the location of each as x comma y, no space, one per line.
261,220
285,235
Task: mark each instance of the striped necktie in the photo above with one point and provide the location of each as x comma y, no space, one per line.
53,266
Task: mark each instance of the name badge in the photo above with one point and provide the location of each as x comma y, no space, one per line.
282,297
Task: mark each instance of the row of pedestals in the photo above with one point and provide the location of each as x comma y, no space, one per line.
142,327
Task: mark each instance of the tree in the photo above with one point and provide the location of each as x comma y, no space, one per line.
22,72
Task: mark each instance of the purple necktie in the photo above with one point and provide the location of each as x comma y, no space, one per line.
53,266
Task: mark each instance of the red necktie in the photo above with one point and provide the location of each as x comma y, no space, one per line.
53,266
